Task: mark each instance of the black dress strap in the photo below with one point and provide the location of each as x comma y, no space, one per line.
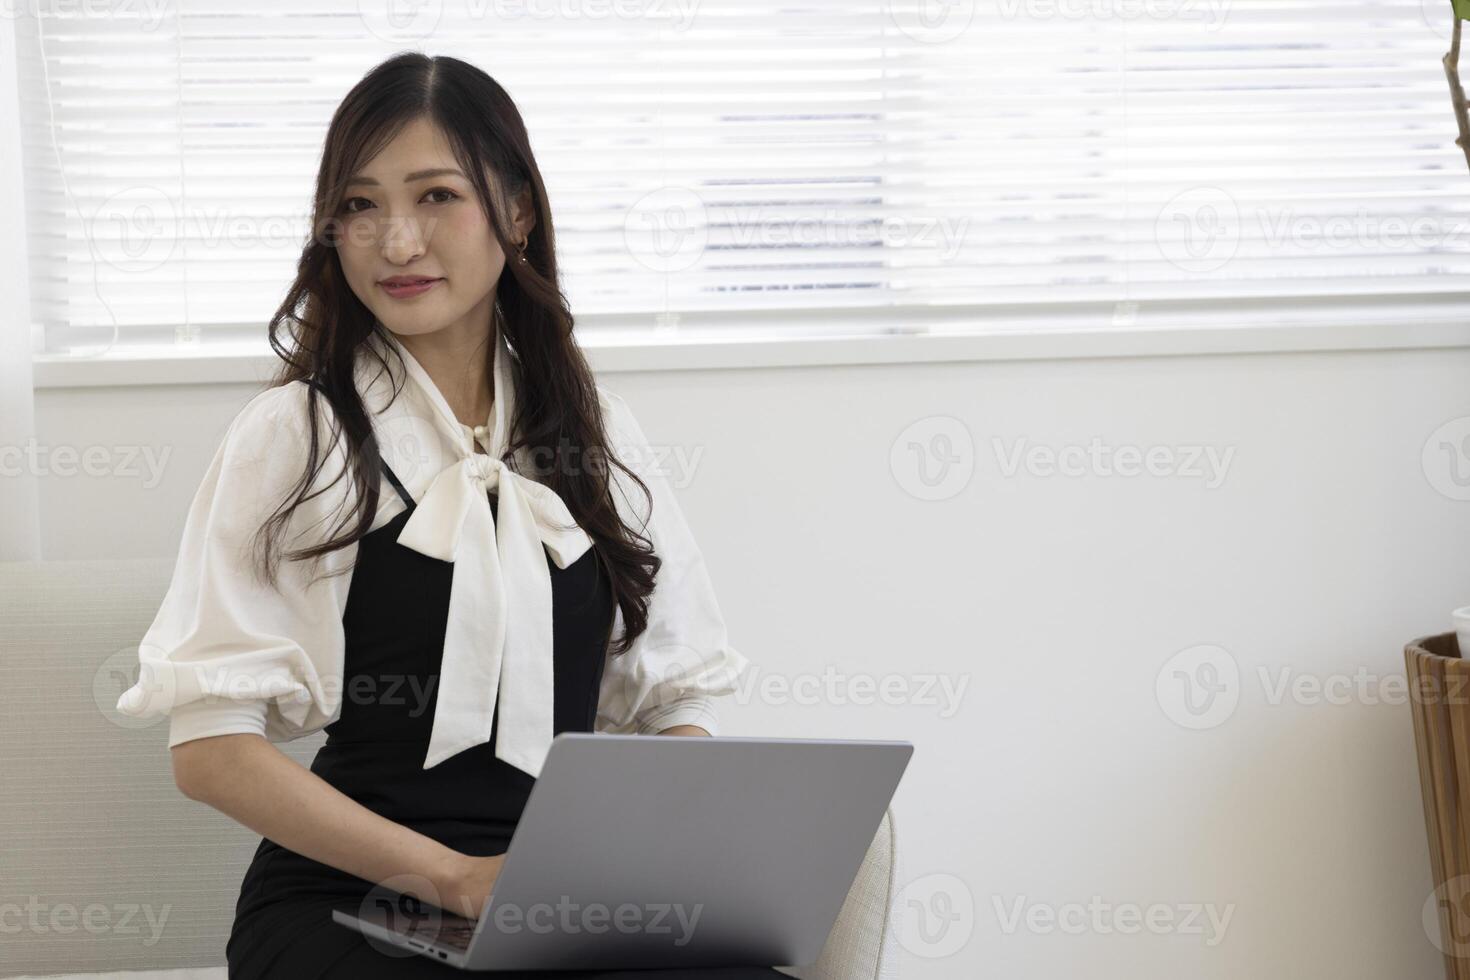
387,470
393,479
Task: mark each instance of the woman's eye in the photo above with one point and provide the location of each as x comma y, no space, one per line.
349,204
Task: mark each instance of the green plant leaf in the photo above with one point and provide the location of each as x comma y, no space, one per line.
1462,9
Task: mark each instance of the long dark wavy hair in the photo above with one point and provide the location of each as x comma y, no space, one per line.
557,415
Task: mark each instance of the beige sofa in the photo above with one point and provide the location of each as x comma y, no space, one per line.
106,867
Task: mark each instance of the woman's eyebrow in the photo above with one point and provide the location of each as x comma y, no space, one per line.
416,175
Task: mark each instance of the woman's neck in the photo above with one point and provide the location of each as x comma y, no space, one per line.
458,364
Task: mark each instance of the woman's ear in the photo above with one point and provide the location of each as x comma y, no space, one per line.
523,214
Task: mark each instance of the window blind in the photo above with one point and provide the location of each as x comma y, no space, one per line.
832,165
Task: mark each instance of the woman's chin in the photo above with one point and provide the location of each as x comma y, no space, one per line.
404,323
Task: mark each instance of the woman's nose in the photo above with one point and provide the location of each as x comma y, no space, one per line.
401,239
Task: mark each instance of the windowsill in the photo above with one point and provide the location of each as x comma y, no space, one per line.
248,365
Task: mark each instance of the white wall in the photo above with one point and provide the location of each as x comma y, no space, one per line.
1058,600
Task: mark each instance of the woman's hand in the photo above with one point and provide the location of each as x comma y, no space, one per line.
471,886
686,730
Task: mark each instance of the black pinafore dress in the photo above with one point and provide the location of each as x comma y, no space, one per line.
394,624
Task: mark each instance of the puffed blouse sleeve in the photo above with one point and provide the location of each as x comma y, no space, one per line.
227,653
683,660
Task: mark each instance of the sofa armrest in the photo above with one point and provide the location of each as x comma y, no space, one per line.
861,945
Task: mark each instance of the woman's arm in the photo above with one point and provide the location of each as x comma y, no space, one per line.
667,680
247,778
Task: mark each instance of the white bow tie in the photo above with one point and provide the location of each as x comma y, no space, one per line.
498,640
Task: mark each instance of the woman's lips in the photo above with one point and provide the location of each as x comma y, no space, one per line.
405,290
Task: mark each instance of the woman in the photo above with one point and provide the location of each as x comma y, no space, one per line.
436,440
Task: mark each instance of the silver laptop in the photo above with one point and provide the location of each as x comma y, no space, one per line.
650,851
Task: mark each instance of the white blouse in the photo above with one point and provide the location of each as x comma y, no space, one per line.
228,654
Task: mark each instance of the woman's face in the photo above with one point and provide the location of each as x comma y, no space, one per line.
414,242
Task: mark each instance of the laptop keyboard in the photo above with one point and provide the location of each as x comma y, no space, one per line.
414,921
455,937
